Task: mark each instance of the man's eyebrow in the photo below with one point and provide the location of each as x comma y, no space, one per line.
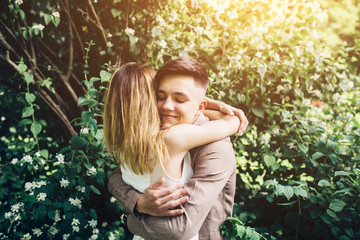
182,94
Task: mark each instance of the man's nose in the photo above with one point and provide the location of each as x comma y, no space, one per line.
168,105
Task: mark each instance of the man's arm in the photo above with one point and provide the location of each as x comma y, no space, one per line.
215,163
157,202
125,194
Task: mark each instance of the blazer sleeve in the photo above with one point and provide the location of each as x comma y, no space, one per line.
214,164
124,193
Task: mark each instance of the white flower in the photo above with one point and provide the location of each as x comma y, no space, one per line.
129,31
84,130
75,222
162,44
60,157
42,161
75,202
14,161
53,230
276,57
26,237
38,26
56,14
94,237
28,186
41,197
109,44
19,2
112,199
92,170
37,232
3,118
278,153
291,145
57,215
66,236
80,189
93,223
37,154
17,217
258,54
15,207
64,183
112,236
28,159
76,228
39,184
104,224
8,215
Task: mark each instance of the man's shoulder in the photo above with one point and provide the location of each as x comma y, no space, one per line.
221,145
221,150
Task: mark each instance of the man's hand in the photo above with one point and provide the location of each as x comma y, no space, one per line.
159,202
229,110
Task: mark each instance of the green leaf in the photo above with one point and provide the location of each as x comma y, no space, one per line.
44,153
30,98
27,111
303,148
95,190
47,18
337,205
288,192
83,101
341,173
326,219
78,142
56,21
24,122
35,128
300,192
258,111
39,213
279,189
324,183
22,67
269,183
22,14
317,155
115,12
28,78
270,161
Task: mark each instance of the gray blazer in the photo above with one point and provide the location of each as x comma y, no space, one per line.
212,190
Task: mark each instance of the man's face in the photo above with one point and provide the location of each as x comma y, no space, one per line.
179,100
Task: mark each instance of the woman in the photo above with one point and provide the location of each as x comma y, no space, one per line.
133,135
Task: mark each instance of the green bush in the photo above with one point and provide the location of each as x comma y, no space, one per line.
298,173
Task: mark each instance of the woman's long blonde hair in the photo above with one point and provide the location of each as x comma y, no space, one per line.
131,120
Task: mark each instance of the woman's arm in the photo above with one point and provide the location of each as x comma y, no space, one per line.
184,137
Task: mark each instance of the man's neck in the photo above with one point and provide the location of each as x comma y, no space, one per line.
200,119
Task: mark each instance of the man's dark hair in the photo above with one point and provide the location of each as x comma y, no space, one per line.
183,66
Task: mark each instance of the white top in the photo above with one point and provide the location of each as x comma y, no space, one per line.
142,182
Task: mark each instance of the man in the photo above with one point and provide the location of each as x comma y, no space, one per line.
181,85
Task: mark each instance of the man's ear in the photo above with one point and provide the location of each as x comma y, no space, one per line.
202,106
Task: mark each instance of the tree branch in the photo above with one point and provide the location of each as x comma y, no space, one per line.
67,11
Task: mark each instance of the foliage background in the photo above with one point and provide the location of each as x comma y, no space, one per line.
292,66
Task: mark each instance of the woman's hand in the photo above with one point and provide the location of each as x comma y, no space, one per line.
229,110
